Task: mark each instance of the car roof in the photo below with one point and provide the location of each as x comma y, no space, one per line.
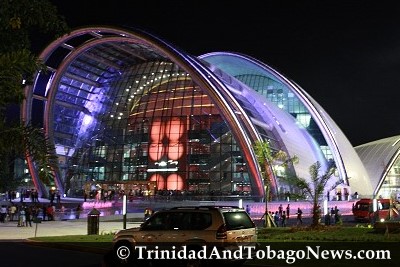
205,207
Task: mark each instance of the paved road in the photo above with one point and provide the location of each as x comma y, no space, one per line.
21,254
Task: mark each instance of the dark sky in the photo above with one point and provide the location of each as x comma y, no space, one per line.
345,54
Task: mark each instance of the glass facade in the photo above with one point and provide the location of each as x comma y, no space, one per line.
128,111
272,89
382,158
391,184
152,123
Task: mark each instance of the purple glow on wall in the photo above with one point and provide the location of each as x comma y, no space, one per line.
87,119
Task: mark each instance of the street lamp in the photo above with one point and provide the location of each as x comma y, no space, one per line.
124,210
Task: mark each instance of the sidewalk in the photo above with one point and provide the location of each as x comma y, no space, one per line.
110,224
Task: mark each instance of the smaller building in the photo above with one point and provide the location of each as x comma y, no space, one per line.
382,162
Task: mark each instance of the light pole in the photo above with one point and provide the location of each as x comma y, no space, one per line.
124,210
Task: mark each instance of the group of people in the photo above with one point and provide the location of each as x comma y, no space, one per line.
334,216
24,214
281,216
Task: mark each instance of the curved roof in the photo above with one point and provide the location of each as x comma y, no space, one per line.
249,70
379,157
79,85
85,67
275,124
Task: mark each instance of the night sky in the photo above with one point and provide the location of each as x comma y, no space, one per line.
345,54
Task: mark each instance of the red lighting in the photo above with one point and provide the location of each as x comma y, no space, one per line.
157,131
159,179
156,151
174,129
174,182
175,151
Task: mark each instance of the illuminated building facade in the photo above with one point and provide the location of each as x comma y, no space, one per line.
382,162
125,108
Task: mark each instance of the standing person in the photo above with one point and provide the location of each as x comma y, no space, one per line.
33,196
13,210
78,211
332,215
280,209
58,197
283,219
287,211
37,196
22,218
336,215
28,218
248,209
44,212
52,197
3,213
50,213
276,218
299,216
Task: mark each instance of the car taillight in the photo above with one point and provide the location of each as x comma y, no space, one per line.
221,232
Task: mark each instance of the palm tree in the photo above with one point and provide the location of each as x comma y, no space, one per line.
268,159
20,141
19,20
314,188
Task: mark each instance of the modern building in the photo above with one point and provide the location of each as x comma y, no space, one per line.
127,110
382,162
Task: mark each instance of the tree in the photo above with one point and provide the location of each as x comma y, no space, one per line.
314,188
20,20
268,159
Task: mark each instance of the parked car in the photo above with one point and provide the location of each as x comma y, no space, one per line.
206,228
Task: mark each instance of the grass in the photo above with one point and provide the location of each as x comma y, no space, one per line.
276,234
281,239
75,238
332,234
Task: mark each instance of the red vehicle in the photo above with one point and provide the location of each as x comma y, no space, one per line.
363,210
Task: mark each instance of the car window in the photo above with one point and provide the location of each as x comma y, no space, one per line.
385,205
198,220
156,222
237,220
178,221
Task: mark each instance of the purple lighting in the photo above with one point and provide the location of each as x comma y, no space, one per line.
87,119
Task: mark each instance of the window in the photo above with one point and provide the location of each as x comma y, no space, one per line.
237,220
